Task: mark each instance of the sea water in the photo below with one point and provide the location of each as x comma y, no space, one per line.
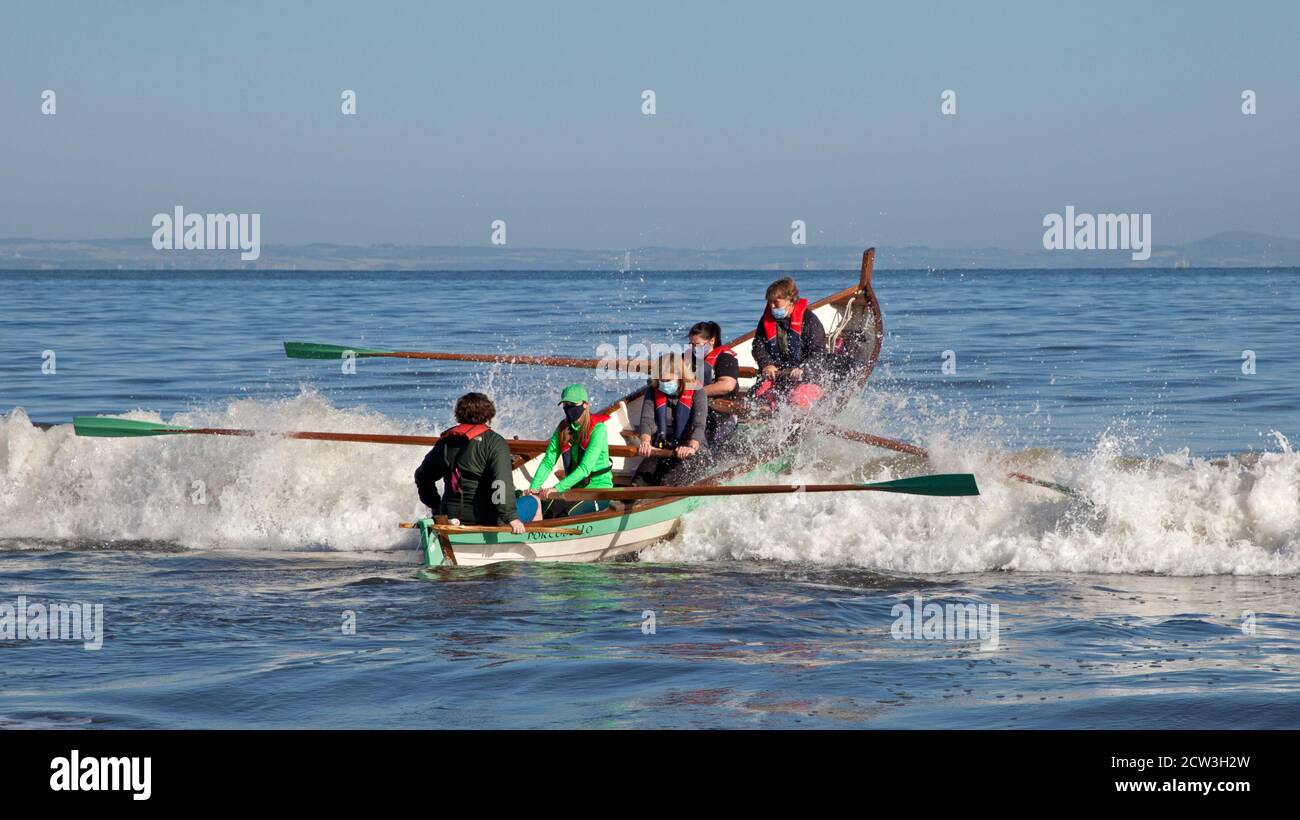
264,583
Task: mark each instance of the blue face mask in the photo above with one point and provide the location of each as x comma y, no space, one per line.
780,313
668,388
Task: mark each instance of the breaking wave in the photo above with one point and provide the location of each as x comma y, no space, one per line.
1173,513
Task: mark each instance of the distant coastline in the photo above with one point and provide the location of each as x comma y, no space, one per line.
1238,249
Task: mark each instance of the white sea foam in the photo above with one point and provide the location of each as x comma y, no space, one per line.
1174,513
261,493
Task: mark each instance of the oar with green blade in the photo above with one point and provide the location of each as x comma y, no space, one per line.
312,350
119,428
126,428
912,449
943,484
741,410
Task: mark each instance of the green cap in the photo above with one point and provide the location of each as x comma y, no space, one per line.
574,393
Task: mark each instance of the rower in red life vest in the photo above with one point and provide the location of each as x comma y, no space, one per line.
789,346
719,372
674,413
473,462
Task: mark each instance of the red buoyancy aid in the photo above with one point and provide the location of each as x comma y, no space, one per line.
469,432
596,418
712,358
708,372
795,341
567,457
681,421
796,319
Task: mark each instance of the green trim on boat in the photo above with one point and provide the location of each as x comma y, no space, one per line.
604,526
430,547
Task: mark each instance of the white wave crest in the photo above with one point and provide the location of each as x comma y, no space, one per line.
1173,514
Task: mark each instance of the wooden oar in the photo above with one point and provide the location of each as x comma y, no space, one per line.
311,350
912,449
878,441
455,528
100,426
1051,485
739,409
945,484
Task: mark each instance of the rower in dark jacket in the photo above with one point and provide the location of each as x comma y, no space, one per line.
473,462
674,413
789,346
719,372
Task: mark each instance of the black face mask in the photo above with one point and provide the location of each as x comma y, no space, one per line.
574,413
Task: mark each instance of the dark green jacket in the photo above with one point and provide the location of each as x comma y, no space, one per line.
483,461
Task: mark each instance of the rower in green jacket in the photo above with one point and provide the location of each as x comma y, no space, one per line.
582,440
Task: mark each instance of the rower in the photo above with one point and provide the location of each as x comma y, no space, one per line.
789,346
582,439
674,413
473,462
719,373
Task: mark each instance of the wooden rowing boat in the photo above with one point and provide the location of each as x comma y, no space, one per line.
854,327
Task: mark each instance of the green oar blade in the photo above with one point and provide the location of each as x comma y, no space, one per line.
97,426
940,484
311,350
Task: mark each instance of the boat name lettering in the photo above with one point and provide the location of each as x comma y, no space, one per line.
549,536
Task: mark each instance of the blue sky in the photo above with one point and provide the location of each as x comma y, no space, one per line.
826,112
